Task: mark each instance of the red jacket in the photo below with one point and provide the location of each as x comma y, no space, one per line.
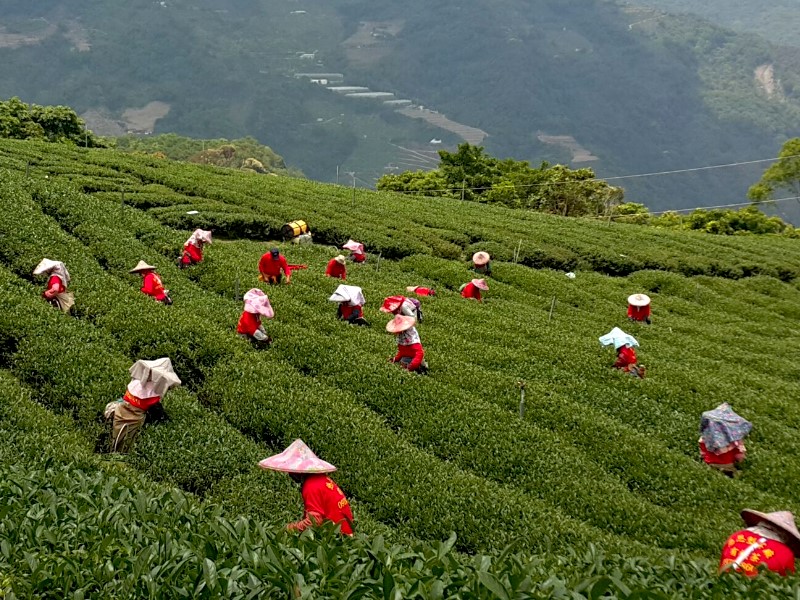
638,313
346,310
413,351
152,286
336,270
192,254
54,287
359,258
324,501
776,556
626,358
730,457
248,323
142,403
471,291
270,267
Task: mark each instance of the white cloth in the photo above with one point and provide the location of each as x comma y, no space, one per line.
53,267
408,308
408,337
619,338
142,390
199,237
158,372
352,294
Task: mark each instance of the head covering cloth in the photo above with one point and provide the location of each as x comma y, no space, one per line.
199,237
619,338
257,303
297,458
481,258
354,247
721,427
158,373
53,267
392,303
352,294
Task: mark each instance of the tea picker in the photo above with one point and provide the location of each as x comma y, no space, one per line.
151,282
150,380
410,353
56,292
770,541
721,442
421,291
400,305
639,308
271,265
336,268
350,300
482,263
193,248
624,344
472,290
356,251
323,500
256,305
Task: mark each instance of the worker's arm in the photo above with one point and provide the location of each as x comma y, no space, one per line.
312,519
54,289
287,271
416,360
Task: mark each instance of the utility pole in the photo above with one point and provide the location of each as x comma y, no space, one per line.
337,174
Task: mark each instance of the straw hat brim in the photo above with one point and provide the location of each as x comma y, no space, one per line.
480,284
754,517
339,259
400,324
142,266
481,258
638,299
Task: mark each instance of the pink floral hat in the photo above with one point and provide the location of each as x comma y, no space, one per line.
257,303
400,324
354,247
297,458
480,284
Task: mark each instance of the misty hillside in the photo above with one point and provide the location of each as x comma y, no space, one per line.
619,88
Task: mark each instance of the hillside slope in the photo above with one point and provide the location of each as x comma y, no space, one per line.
597,457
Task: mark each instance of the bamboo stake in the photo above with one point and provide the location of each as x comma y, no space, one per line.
521,399
552,306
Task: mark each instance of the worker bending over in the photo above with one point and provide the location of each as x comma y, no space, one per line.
193,248
256,305
410,353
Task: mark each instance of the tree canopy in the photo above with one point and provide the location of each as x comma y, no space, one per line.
22,121
781,175
471,174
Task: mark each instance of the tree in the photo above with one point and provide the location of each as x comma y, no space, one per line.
51,123
782,175
471,174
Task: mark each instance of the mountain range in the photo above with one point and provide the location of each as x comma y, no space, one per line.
347,90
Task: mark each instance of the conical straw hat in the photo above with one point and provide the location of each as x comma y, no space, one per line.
783,520
481,258
638,299
400,324
480,284
142,266
392,303
339,259
297,458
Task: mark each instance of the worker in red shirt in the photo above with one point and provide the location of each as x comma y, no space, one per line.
323,500
151,282
357,251
271,265
624,344
336,268
58,278
639,308
410,353
351,301
770,541
400,305
256,305
193,248
150,380
473,289
721,442
420,290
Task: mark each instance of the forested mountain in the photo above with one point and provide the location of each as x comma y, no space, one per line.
621,88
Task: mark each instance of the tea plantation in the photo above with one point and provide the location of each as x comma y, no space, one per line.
596,491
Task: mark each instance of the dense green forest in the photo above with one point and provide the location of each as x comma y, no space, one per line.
639,90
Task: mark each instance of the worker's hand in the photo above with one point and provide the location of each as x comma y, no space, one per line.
288,281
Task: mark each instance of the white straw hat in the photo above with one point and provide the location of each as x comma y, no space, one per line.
638,299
